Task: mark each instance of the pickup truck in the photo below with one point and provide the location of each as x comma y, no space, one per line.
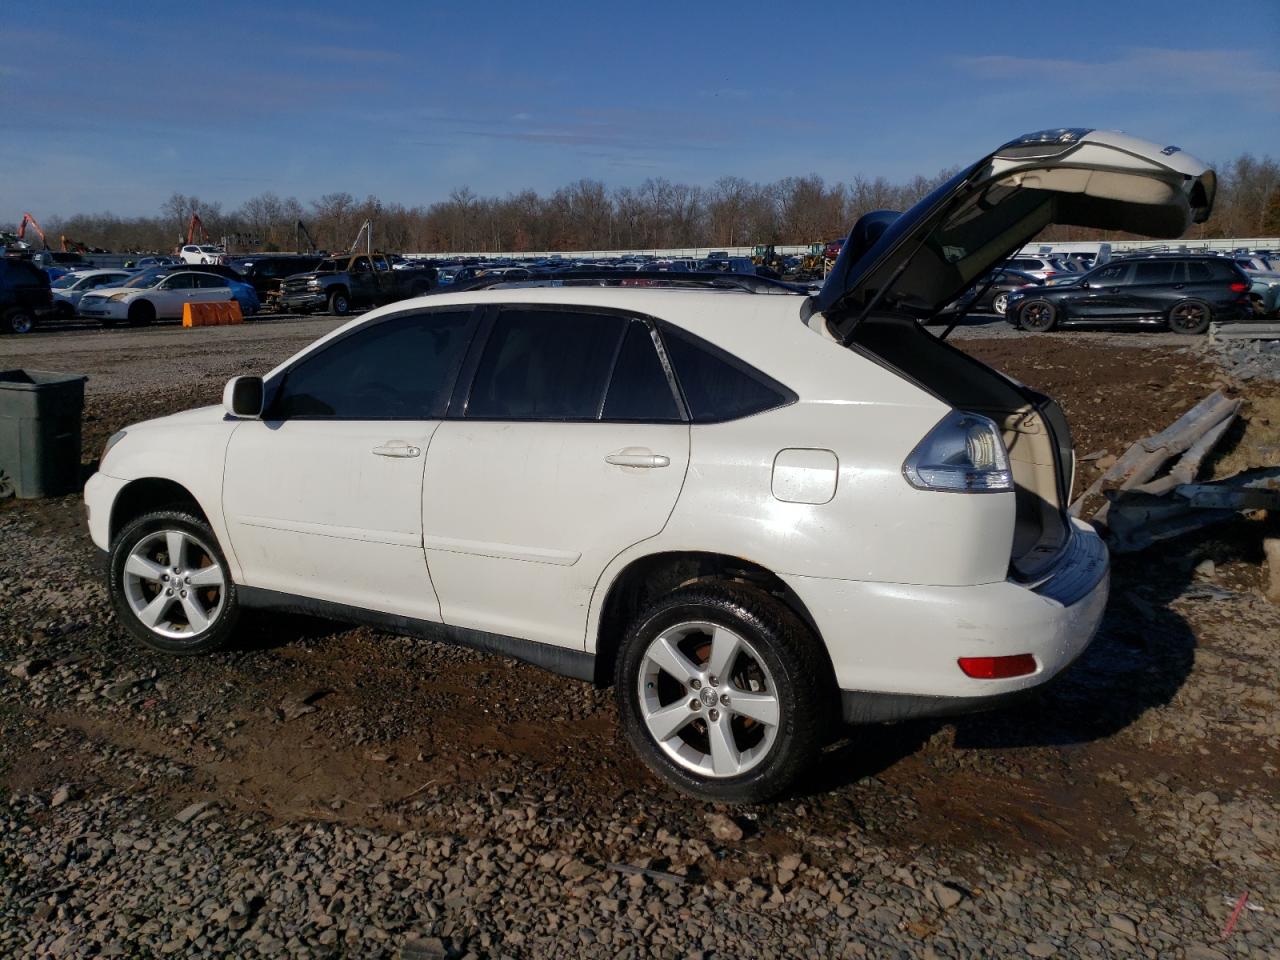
360,280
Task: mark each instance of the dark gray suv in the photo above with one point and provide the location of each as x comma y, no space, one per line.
1184,292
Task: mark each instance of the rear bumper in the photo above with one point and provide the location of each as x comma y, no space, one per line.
894,647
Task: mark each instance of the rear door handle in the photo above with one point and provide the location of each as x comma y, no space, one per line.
637,457
397,448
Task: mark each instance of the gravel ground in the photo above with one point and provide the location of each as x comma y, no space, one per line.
325,792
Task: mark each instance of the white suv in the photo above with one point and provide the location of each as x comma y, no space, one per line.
753,514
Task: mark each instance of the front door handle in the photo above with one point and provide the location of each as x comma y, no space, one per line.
637,457
397,448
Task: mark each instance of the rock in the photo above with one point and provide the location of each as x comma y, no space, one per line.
1207,569
1041,948
1106,462
28,668
424,948
724,828
791,862
300,703
1271,546
945,895
1122,923
61,795
189,813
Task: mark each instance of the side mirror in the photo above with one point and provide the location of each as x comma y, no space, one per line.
242,397
1084,284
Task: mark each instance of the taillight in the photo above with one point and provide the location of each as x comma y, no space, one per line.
1238,287
998,668
963,453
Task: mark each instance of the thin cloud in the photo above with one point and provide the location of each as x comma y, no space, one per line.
348,54
1171,70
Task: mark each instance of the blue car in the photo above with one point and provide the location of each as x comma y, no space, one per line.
246,296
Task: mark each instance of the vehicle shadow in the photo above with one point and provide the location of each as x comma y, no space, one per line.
261,630
1143,654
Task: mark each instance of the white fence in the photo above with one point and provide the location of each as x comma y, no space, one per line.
1191,245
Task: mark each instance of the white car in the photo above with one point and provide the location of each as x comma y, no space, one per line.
201,253
157,294
68,289
754,514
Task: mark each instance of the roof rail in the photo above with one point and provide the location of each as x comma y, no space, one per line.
743,282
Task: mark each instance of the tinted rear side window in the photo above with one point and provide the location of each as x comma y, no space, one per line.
640,389
717,386
545,365
400,369
1156,271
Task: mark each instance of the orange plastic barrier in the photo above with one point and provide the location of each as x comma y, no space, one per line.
217,314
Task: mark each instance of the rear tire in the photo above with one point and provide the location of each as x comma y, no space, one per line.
141,314
18,320
1038,316
1190,317
153,562
771,666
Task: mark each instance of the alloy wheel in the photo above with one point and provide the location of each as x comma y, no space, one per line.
708,699
1188,317
173,584
1000,303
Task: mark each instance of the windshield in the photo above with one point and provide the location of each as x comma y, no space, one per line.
70,280
331,266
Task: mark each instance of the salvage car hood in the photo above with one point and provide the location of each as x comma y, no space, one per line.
916,262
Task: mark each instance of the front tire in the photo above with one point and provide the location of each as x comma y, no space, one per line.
723,692
339,303
141,314
1190,317
1000,304
170,585
1038,316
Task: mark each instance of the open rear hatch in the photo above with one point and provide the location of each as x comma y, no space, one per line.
898,269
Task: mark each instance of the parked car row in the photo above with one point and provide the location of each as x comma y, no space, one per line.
1183,292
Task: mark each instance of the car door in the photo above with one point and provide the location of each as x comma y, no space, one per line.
569,446
210,288
1104,297
323,495
1150,290
364,284
171,293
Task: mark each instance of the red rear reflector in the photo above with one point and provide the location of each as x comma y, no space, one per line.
998,668
1239,287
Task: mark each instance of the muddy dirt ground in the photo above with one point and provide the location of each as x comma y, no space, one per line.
322,791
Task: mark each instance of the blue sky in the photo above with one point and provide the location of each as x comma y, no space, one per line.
114,107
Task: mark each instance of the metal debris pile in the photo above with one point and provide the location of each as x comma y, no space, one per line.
1152,493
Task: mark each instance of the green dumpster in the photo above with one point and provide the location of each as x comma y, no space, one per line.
40,431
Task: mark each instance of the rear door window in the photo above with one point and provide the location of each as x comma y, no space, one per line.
1154,271
639,389
716,385
399,369
545,364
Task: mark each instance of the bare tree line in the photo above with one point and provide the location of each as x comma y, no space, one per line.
588,215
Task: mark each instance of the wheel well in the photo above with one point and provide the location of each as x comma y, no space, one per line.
140,306
337,288
646,579
144,496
